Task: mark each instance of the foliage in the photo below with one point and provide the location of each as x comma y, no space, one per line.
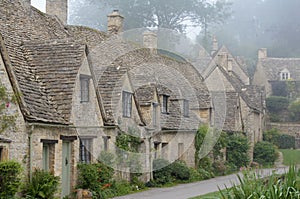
96,177
274,187
10,178
276,104
199,138
237,150
264,153
280,88
6,120
294,111
282,141
162,171
262,23
43,185
128,145
165,172
164,14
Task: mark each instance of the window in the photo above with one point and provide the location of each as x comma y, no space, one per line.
165,103
154,114
284,74
106,142
48,155
84,88
180,151
156,148
186,108
127,103
164,150
85,150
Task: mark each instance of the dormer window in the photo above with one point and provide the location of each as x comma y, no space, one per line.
164,106
186,108
84,88
127,103
284,74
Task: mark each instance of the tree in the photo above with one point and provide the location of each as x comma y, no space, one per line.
171,14
6,119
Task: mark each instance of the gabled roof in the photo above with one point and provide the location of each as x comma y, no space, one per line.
251,94
54,67
273,66
42,61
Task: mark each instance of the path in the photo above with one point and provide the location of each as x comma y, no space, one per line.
184,191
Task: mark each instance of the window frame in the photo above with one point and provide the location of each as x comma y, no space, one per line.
127,104
85,149
186,108
165,104
84,88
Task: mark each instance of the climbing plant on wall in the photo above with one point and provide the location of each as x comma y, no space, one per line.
6,119
128,144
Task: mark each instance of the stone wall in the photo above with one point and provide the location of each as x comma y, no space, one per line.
289,129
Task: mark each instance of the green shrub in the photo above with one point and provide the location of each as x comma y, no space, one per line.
282,141
264,153
276,104
180,171
96,177
237,151
294,111
43,185
10,178
162,171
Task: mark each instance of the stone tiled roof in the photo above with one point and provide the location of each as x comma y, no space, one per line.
87,35
42,61
239,70
54,65
273,66
251,94
141,66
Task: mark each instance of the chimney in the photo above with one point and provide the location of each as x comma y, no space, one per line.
114,22
262,53
215,46
150,40
58,8
223,60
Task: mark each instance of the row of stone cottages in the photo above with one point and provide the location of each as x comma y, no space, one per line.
78,88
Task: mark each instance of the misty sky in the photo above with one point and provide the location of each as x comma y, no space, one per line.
40,4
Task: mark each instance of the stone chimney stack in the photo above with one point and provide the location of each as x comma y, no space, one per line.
150,40
114,22
215,46
58,8
262,53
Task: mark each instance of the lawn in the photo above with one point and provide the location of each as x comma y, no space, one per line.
213,195
290,156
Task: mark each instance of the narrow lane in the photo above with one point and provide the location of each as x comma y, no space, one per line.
184,191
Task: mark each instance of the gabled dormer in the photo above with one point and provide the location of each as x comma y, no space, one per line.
284,74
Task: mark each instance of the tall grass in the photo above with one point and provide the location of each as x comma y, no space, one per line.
252,186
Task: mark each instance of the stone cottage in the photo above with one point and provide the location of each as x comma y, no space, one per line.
272,72
79,88
238,106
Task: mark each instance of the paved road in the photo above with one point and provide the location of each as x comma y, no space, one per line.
184,191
